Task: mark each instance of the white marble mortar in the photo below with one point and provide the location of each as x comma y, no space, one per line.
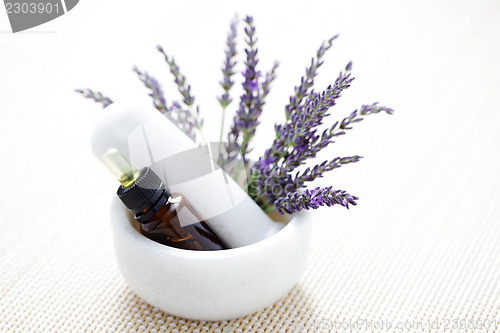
211,285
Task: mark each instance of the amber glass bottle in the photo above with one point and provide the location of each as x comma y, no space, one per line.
165,218
164,226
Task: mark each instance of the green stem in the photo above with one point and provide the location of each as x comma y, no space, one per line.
252,177
202,137
269,209
242,152
244,146
221,132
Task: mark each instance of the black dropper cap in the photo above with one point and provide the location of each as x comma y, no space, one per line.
144,192
139,190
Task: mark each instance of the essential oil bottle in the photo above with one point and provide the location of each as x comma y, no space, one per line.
163,217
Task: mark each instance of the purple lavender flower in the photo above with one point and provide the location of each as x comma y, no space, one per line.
193,120
317,171
183,119
338,129
228,67
297,136
312,199
227,83
298,140
179,79
274,182
266,85
307,118
96,96
253,84
266,185
156,91
180,117
247,116
307,82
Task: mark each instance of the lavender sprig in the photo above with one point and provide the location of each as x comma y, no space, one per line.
96,96
265,88
228,67
307,82
274,182
227,81
312,199
306,142
338,129
184,89
183,119
233,147
156,91
317,171
296,140
266,85
179,79
180,117
248,113
267,185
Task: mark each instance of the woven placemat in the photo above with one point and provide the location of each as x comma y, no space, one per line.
60,275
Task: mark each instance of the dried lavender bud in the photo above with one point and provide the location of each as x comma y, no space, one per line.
247,116
317,171
179,79
312,199
227,83
193,120
266,85
228,67
305,141
96,96
307,82
265,186
297,136
156,91
183,119
297,141
180,117
355,117
233,147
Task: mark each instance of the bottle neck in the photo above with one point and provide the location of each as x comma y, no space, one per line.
146,213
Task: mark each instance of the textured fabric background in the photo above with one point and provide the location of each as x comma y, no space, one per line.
421,251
